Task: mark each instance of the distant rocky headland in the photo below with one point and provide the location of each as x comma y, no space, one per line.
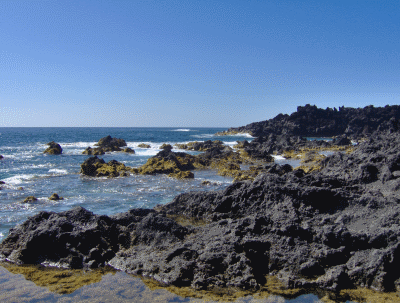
310,121
333,224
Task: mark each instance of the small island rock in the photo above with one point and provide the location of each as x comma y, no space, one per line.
55,197
53,149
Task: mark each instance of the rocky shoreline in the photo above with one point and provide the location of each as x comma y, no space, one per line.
333,227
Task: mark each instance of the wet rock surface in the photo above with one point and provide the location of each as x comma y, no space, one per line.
108,144
53,149
96,167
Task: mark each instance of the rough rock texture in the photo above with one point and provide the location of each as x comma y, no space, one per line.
335,228
75,239
202,146
96,167
55,197
93,151
108,144
53,149
310,121
30,199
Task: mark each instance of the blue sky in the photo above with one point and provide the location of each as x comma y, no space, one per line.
192,63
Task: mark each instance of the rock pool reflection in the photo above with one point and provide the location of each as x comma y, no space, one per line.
36,284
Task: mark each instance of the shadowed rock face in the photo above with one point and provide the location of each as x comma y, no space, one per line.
310,121
336,228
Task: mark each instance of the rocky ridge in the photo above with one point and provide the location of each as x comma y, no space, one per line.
333,228
108,144
310,121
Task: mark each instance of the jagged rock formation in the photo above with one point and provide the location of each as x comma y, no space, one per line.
53,149
108,144
310,121
202,146
95,167
336,228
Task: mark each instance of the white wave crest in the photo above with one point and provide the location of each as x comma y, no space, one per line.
204,136
77,144
181,130
18,179
246,135
57,171
278,157
146,151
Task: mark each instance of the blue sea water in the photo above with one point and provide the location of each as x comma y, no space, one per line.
27,171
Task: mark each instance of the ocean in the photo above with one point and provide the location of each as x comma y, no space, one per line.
27,171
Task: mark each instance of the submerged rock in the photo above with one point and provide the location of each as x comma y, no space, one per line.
53,149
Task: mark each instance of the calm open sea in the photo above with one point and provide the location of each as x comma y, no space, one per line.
26,171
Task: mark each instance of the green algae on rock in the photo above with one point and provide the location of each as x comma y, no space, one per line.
96,167
30,199
61,281
53,149
55,197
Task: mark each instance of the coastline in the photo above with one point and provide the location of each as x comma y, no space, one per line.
305,224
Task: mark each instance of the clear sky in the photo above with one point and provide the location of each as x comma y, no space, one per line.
192,63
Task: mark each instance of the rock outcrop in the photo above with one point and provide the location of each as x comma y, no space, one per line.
108,144
333,229
310,121
53,149
30,199
96,167
111,143
55,197
202,146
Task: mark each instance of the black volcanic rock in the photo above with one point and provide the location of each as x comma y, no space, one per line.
310,121
335,228
111,142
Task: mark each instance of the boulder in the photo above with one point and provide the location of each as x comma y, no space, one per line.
30,199
78,238
111,142
55,197
53,149
93,151
95,167
166,146
129,150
